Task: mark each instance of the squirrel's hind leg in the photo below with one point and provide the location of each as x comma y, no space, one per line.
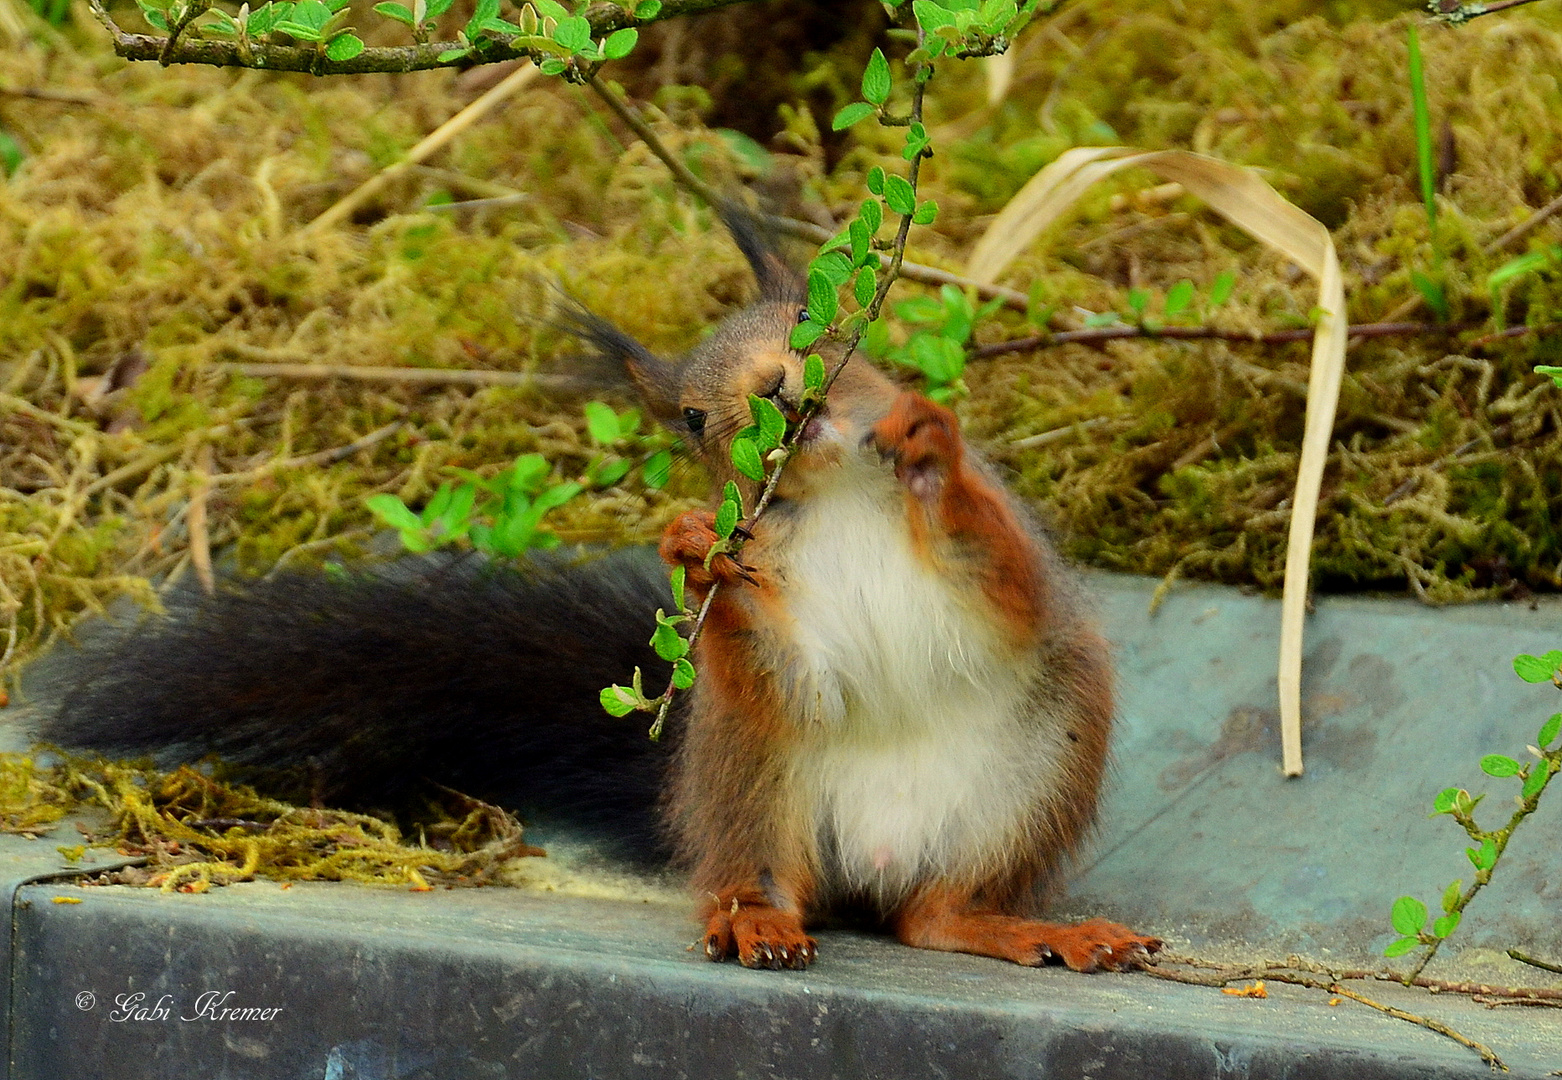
945,918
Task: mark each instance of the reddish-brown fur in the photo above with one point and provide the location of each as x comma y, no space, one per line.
756,747
752,872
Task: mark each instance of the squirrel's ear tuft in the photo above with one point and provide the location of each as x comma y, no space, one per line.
777,280
616,355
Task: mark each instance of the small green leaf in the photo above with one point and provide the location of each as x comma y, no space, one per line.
455,54
1220,292
156,19
768,418
648,9
668,643
731,494
855,113
683,673
925,214
10,154
399,12
344,47
1549,731
746,459
1451,894
1408,915
620,43
1536,669
932,16
861,241
875,79
1178,298
872,214
601,423
1536,780
1138,300
864,288
574,33
876,180
822,303
1499,765
609,471
1445,925
1553,373
676,581
805,334
899,194
1446,800
619,700
726,518
657,469
1401,947
1484,857
391,510
813,372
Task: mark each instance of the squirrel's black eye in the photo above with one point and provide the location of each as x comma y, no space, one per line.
695,420
802,315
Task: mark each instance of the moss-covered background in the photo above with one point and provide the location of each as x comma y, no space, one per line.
150,230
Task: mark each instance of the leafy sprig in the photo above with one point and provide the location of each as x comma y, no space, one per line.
850,259
1409,915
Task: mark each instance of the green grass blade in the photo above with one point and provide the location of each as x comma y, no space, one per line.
1423,121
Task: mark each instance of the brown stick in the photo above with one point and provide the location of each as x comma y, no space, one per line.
1332,986
1102,334
200,537
365,373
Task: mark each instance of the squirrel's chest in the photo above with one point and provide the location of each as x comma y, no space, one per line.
914,754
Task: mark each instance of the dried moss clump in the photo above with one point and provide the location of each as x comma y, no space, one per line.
194,830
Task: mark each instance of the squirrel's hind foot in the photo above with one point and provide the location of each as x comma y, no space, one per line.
941,921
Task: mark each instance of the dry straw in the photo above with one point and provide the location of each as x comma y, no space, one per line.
1244,199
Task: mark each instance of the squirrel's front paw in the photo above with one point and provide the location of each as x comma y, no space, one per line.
760,937
687,543
923,439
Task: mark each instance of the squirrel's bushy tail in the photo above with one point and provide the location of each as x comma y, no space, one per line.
373,683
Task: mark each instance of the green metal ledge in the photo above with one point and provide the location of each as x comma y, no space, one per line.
1203,842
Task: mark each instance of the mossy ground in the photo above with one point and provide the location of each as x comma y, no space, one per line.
156,214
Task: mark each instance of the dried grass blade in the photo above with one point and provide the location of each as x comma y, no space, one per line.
1243,198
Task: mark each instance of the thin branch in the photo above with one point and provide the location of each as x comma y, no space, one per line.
1527,226
1514,332
1524,958
1456,13
604,19
431,376
1233,973
319,458
1102,334
200,535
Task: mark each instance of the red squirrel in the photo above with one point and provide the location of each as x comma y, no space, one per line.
901,704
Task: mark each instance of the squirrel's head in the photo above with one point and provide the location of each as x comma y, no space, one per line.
704,395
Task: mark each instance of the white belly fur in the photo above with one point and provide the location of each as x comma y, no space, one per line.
923,757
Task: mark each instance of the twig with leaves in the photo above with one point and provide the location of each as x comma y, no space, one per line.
852,256
1409,915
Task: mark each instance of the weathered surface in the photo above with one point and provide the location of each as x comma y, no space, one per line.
1202,841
